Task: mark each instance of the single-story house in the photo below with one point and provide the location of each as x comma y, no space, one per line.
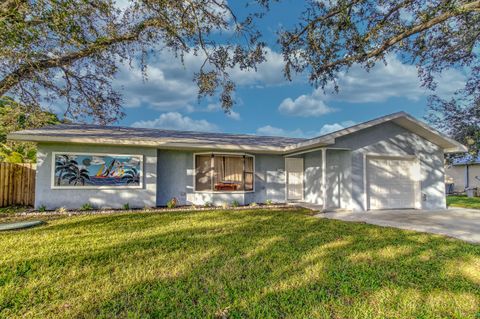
462,173
391,162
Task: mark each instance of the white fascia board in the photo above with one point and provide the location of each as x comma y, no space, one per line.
418,127
159,143
329,139
314,143
401,118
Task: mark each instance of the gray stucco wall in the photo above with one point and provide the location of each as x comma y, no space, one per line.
176,172
338,178
390,139
312,165
101,198
339,182
169,173
174,176
269,179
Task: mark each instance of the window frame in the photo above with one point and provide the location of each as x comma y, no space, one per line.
90,187
223,154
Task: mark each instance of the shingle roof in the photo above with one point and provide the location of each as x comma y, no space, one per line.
96,134
118,133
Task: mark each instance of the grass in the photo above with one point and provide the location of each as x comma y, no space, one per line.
463,201
233,264
12,209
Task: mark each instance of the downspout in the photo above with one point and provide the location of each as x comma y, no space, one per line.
467,184
212,173
324,178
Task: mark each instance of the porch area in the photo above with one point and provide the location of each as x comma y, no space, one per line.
320,179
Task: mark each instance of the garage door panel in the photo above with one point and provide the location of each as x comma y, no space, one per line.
391,183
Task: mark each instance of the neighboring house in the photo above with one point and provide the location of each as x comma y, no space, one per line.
463,172
391,162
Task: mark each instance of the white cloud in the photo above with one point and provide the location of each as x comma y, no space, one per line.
305,105
234,115
268,73
215,107
325,129
169,85
133,161
122,4
97,160
176,121
393,80
269,130
329,128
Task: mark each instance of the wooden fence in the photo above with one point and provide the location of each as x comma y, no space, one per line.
17,184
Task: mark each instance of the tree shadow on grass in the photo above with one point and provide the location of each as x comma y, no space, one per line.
268,264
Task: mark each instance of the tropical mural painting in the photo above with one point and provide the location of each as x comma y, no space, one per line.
97,170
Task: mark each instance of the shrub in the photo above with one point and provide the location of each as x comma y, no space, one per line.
235,203
42,208
172,203
268,202
208,204
253,204
86,207
62,210
225,205
126,206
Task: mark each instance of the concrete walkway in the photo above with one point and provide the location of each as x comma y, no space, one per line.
460,223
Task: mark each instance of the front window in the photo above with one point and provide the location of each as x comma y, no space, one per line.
223,173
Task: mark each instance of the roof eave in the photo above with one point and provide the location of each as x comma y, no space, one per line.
309,144
159,143
456,149
401,118
448,144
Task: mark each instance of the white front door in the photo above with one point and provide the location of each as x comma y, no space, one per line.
294,169
392,183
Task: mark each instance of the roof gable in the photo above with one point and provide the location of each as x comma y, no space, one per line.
401,118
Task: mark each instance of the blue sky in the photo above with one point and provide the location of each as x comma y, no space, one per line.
267,104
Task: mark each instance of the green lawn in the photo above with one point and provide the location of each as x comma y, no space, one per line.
12,209
233,264
463,201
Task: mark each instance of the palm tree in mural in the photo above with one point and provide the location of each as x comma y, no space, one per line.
131,176
77,176
64,165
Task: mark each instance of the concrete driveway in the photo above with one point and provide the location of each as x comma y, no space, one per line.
460,223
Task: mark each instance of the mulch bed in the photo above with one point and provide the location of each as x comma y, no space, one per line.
151,210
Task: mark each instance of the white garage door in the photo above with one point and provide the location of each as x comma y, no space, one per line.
391,183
